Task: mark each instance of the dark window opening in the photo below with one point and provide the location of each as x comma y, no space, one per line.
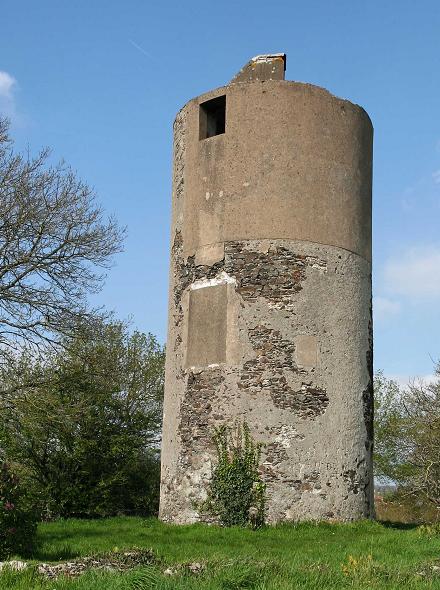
212,117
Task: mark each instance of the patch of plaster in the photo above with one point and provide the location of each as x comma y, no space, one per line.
287,435
222,279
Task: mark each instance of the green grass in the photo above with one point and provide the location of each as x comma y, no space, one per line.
305,556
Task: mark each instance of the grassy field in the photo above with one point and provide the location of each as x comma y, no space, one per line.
362,555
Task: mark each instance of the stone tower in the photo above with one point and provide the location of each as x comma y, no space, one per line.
270,294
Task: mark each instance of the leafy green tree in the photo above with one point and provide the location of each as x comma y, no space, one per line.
407,436
387,420
87,435
18,522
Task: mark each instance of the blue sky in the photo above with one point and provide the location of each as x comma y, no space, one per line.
100,83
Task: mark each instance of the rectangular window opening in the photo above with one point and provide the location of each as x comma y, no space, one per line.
212,117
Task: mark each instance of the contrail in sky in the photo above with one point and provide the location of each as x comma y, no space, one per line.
141,49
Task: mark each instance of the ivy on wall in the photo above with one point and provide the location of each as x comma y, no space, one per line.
236,492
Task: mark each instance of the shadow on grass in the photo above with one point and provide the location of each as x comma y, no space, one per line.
52,554
403,526
76,533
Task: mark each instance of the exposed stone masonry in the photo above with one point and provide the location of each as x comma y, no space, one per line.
196,409
275,275
266,372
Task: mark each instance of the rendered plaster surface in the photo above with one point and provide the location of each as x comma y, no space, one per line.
294,163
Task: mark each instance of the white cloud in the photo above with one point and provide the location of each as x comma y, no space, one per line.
415,274
8,86
384,307
7,83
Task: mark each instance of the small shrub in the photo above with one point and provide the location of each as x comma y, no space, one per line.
17,523
237,494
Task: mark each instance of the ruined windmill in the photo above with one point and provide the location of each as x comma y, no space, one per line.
270,294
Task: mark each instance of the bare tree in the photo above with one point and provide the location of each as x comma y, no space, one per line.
55,245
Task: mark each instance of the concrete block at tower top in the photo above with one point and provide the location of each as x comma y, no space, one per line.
270,66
